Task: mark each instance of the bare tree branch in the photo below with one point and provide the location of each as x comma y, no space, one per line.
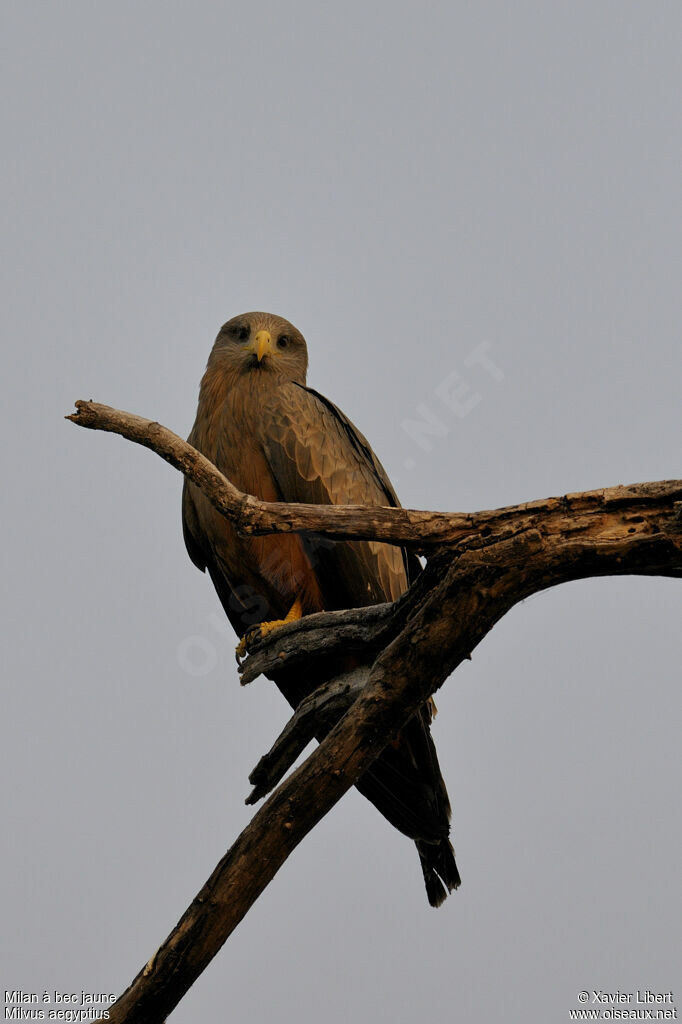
401,526
484,565
314,716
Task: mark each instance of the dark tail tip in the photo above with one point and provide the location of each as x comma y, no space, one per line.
440,869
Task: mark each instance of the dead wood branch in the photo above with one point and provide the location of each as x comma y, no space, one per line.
314,716
401,526
481,565
358,629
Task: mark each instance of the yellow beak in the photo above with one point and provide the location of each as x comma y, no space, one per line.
262,344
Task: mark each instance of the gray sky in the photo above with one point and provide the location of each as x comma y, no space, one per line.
406,183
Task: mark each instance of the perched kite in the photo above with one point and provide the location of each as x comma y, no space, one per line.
279,440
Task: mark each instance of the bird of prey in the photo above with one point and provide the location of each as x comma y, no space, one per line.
279,440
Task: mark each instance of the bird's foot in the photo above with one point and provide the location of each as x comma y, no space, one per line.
256,634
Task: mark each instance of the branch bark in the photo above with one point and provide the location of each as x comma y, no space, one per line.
316,713
481,565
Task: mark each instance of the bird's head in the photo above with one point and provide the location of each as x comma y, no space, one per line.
261,343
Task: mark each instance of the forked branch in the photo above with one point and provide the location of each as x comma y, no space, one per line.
479,566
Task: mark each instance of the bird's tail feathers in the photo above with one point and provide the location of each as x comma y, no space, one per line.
440,869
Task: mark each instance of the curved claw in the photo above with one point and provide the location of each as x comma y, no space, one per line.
250,637
260,631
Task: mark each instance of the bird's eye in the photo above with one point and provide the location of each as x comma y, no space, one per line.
283,341
237,332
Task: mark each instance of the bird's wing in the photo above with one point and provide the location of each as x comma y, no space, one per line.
317,455
191,530
199,550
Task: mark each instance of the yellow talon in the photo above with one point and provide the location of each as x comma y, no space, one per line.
260,631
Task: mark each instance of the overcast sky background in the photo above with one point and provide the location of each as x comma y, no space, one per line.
406,183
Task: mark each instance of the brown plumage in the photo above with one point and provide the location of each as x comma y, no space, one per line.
279,440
